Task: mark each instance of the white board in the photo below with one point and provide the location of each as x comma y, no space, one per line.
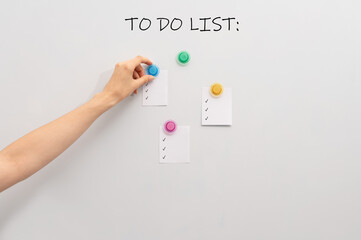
287,168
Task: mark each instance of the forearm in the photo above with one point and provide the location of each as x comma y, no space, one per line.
36,149
30,153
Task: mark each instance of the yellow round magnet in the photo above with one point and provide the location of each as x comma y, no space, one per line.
216,90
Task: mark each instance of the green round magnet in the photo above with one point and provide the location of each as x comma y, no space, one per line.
183,57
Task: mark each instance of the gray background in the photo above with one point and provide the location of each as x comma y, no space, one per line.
288,167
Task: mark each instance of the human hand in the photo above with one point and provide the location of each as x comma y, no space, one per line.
127,77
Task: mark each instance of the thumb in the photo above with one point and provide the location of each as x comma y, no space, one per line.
143,80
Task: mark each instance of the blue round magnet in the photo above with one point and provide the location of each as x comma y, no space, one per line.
153,70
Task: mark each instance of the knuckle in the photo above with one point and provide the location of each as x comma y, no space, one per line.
127,67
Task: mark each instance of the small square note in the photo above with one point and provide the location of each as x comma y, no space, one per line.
216,110
155,93
174,148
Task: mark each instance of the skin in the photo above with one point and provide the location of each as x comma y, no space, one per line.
30,153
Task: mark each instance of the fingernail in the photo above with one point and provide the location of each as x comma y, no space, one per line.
151,78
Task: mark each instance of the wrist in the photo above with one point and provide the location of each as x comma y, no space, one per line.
104,100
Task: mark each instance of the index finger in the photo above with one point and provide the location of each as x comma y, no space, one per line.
140,70
138,60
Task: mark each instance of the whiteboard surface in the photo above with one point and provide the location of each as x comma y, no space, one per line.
287,168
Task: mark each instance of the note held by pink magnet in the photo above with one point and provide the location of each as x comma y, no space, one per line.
174,143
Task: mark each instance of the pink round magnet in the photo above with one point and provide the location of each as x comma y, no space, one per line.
170,126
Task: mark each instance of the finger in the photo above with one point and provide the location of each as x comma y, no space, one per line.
140,70
143,80
138,60
135,76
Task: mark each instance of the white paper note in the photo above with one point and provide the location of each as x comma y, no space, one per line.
174,148
217,110
155,93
